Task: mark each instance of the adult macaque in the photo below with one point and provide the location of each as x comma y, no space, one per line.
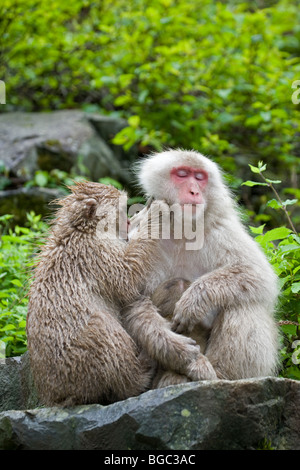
233,288
79,349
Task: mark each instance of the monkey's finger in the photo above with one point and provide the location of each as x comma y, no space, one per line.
179,327
174,325
191,341
195,347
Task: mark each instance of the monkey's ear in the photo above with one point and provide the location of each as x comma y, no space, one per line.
90,205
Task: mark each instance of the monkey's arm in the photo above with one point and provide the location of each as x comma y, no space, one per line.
230,285
172,351
135,260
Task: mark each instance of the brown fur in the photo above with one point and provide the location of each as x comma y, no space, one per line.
78,347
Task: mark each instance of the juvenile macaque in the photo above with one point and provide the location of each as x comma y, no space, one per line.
167,294
233,289
165,297
79,349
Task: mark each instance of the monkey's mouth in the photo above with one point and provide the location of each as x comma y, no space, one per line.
193,205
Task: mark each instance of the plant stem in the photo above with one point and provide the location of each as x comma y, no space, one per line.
281,202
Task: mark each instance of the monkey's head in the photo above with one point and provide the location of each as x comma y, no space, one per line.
183,177
88,204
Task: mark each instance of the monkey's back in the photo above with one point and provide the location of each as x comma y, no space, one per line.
73,328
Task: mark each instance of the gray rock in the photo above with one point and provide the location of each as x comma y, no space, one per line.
59,139
66,140
21,132
17,390
10,384
107,127
100,161
243,414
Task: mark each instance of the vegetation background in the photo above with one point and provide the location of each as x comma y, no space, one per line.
216,76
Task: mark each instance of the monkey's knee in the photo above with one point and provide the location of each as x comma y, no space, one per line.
166,378
244,349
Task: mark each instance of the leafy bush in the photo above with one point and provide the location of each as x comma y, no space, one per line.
213,76
282,247
17,248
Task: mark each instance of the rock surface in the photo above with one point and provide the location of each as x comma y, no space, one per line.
60,139
68,140
243,414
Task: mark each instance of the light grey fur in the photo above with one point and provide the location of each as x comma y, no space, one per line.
233,289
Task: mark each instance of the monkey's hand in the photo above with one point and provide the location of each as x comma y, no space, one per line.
148,223
179,352
186,314
201,369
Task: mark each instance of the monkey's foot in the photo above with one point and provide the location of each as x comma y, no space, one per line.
165,378
201,369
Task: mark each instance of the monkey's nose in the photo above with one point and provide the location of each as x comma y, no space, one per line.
194,192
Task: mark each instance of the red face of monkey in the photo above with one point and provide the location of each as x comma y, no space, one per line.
189,183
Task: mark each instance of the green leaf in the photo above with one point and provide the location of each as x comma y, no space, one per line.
275,234
273,181
6,339
223,93
111,182
8,327
17,282
257,230
122,100
296,238
289,329
262,166
274,204
266,116
290,202
41,178
289,248
293,372
295,288
254,169
134,121
253,183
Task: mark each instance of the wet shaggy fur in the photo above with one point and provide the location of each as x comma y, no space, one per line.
84,346
79,350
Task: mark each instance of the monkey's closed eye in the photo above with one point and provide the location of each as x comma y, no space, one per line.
200,176
182,173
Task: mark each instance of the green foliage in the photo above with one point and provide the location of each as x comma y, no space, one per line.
53,179
277,203
282,247
213,76
265,444
16,258
111,182
4,176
